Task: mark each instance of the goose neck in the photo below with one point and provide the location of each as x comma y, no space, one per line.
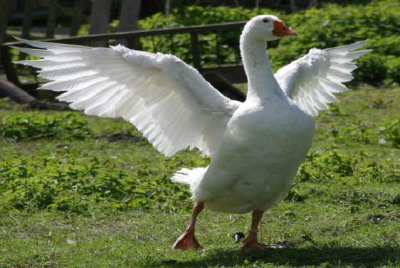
262,84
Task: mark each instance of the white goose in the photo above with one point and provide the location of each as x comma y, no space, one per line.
255,147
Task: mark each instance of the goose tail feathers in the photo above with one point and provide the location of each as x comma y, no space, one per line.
192,177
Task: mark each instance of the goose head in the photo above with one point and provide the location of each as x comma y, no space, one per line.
266,28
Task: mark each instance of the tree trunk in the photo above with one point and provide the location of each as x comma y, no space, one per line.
15,93
4,11
99,19
51,19
129,16
79,5
28,14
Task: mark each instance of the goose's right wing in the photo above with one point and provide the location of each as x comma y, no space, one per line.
166,99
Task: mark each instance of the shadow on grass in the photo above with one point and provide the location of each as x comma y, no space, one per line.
368,257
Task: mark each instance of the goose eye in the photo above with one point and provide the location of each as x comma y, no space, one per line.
265,20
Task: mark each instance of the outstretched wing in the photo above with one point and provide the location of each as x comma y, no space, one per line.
311,80
166,99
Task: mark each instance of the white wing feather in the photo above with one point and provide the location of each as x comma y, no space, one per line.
311,80
167,100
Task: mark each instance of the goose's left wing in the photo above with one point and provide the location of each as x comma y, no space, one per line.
311,80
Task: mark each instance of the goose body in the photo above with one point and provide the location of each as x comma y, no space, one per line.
258,157
265,140
255,147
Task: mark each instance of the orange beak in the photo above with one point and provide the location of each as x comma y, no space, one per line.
280,29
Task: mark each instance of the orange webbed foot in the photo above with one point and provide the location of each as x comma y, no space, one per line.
187,241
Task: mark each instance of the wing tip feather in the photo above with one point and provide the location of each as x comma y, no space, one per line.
349,47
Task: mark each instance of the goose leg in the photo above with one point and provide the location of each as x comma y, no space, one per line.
251,242
187,240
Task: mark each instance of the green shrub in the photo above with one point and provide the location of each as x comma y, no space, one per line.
216,47
320,166
391,132
335,25
23,126
68,182
371,68
393,68
331,26
354,132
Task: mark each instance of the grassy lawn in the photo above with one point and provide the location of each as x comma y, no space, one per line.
91,192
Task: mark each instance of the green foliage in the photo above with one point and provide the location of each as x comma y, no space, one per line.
295,196
22,126
216,47
65,200
391,132
355,132
337,25
66,182
322,166
82,176
331,26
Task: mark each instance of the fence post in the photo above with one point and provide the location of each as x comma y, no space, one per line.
194,39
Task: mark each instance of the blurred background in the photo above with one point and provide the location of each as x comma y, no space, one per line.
319,23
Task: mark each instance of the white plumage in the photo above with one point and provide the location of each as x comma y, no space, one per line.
311,80
166,99
255,146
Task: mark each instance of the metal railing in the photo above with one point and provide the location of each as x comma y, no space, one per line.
232,73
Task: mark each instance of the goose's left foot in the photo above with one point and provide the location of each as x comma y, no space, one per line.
187,240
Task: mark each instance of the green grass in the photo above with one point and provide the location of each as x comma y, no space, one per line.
92,198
